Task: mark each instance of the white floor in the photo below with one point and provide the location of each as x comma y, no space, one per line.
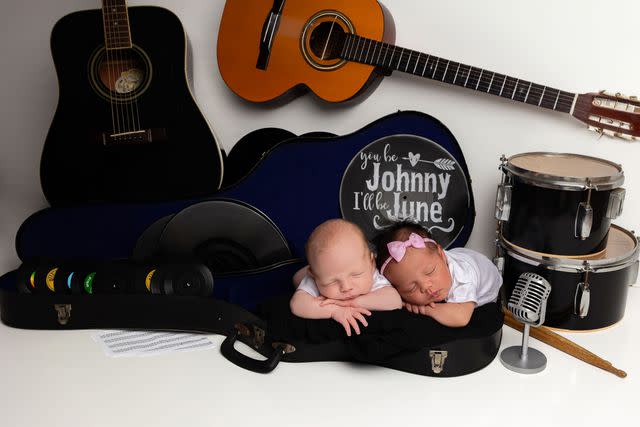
64,378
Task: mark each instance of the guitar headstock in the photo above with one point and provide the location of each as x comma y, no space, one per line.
610,114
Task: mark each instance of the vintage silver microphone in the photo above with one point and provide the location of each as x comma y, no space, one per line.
528,304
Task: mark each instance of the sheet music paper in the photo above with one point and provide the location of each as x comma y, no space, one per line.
117,343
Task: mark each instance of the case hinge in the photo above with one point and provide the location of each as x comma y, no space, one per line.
64,313
437,360
255,334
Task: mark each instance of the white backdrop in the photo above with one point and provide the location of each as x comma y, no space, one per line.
574,45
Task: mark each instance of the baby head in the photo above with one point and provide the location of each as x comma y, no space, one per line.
414,264
340,261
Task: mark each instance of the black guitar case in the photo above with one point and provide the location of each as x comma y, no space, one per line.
244,244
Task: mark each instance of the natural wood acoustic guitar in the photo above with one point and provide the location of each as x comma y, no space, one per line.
337,48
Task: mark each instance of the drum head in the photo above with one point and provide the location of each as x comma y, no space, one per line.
565,171
226,235
620,244
621,251
407,177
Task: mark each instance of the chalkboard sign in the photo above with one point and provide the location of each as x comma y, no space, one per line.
406,177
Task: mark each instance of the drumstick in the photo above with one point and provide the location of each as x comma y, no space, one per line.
547,336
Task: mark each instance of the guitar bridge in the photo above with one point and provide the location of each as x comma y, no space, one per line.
145,136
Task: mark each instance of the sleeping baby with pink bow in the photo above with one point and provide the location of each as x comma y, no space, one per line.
342,282
445,285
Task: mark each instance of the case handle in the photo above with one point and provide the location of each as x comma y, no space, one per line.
260,366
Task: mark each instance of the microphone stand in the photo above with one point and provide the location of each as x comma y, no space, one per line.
523,359
563,344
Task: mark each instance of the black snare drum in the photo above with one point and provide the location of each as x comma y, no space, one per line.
558,204
587,292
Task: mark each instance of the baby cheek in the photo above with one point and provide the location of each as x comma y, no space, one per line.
416,298
364,286
328,292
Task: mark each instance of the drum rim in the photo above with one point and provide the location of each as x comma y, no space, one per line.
572,264
564,183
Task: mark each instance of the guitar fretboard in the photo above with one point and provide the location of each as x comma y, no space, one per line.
387,56
115,18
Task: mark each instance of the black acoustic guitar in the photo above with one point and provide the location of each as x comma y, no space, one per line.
126,127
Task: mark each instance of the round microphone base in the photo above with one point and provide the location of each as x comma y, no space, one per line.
535,361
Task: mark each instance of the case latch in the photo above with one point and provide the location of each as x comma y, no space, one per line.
64,313
437,360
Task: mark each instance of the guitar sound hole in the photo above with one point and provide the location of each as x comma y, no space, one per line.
120,75
327,40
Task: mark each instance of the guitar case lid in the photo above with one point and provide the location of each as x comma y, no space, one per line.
405,165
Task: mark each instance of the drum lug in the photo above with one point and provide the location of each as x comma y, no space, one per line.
616,203
582,299
584,220
634,272
503,202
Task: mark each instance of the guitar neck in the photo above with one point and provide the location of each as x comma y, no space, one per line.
115,18
387,56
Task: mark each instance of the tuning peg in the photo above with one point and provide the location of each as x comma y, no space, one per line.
608,93
597,130
624,136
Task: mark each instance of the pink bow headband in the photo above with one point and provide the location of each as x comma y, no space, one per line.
397,249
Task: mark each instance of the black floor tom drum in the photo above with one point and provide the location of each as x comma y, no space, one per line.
588,292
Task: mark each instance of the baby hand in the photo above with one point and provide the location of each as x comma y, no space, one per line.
348,317
419,309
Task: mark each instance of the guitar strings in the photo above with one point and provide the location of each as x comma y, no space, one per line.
122,65
562,98
110,72
115,55
140,77
477,72
324,51
405,60
129,55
